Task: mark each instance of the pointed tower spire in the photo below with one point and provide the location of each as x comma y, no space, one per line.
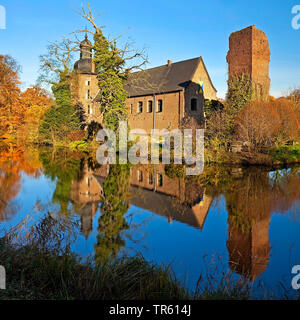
86,37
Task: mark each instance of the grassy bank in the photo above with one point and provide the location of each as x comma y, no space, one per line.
281,155
286,154
37,274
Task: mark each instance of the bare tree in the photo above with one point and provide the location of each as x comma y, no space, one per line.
58,59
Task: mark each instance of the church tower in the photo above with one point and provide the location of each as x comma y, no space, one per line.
87,84
249,54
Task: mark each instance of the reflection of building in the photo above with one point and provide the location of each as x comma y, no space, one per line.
249,251
86,194
154,191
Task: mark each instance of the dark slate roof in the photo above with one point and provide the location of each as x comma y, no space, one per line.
162,79
163,205
83,66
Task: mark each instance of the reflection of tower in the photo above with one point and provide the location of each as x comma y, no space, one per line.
86,219
249,251
85,194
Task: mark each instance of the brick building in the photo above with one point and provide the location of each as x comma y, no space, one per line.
158,98
249,54
162,97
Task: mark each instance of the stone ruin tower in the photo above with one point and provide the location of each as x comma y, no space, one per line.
249,53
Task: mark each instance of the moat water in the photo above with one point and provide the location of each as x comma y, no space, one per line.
244,221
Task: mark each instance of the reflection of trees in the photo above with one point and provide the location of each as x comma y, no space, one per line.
64,166
13,161
115,205
286,190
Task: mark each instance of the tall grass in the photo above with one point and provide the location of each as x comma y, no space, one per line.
40,265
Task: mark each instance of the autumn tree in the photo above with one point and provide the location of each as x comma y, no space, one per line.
36,102
11,111
265,124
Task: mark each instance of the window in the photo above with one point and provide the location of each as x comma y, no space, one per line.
194,102
159,180
89,109
140,175
131,108
88,94
150,178
88,82
140,107
150,105
159,105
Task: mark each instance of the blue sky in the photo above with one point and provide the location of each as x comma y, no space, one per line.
175,30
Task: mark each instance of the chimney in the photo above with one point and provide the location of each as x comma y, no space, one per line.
169,63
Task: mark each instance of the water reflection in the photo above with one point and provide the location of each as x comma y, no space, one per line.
252,195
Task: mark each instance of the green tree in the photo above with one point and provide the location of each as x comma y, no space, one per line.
63,167
111,80
240,92
62,118
115,205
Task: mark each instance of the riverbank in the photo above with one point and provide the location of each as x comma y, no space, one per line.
280,156
34,274
272,157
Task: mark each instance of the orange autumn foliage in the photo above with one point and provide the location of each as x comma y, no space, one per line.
14,161
10,109
35,102
20,112
263,124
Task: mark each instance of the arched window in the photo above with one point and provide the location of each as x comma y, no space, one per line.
194,102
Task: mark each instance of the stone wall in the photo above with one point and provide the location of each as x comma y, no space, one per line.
169,118
83,85
249,53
